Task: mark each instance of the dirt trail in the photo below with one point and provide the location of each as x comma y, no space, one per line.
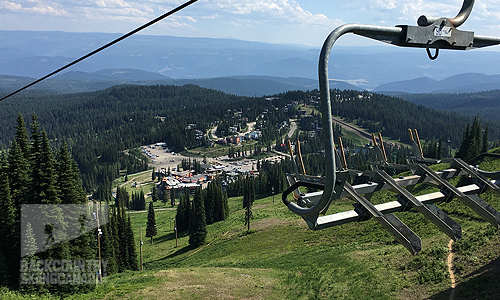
359,132
450,270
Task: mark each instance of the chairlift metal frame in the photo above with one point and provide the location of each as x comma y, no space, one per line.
431,33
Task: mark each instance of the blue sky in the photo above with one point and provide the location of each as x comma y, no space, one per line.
306,22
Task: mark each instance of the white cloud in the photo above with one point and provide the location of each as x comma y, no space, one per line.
210,17
112,3
292,21
488,10
270,10
178,25
48,10
10,6
188,18
34,7
390,4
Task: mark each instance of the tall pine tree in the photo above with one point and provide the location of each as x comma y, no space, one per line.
107,249
151,223
198,226
70,185
7,224
132,254
473,143
182,217
22,136
248,199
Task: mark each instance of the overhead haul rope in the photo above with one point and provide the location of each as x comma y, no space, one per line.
173,11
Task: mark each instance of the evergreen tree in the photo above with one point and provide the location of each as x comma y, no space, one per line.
182,217
142,200
216,206
472,142
209,199
151,224
121,229
22,136
58,251
248,199
476,139
115,240
48,171
122,197
153,175
19,175
36,141
154,193
103,191
132,254
70,185
164,195
107,249
173,193
198,225
462,150
44,175
138,201
217,200
432,149
7,224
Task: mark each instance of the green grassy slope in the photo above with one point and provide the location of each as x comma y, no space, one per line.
280,258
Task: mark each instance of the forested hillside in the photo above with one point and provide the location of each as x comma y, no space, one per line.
483,104
99,126
393,116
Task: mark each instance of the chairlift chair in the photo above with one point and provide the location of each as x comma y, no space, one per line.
431,33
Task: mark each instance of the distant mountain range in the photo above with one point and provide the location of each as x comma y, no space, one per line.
78,81
461,83
35,54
